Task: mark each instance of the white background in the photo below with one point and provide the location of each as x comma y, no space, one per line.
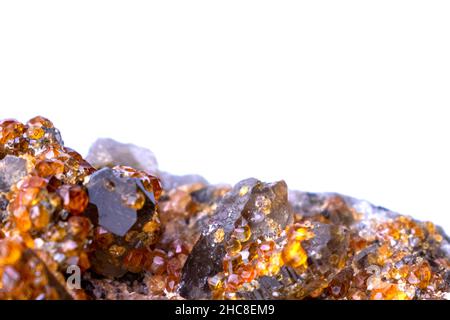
346,96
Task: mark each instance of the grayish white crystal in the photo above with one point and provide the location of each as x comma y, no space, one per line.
12,169
170,181
107,152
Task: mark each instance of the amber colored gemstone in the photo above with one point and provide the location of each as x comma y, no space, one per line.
10,252
27,197
22,219
55,201
244,190
266,248
216,282
174,266
22,146
25,276
74,198
233,246
79,226
299,233
155,186
231,263
40,216
51,152
58,234
134,260
219,235
423,274
40,121
418,232
246,272
233,282
116,250
340,285
48,168
83,261
151,226
103,239
253,250
156,284
294,255
150,183
158,262
399,273
134,201
35,133
171,283
32,182
391,292
261,268
243,233
384,252
10,129
274,264
73,154
357,243
131,236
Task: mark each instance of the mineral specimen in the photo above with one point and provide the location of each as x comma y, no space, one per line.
134,232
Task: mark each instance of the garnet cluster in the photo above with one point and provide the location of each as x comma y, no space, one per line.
135,232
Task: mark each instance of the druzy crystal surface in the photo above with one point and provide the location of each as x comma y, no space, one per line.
136,232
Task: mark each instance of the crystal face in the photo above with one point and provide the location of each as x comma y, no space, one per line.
118,199
136,232
123,206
